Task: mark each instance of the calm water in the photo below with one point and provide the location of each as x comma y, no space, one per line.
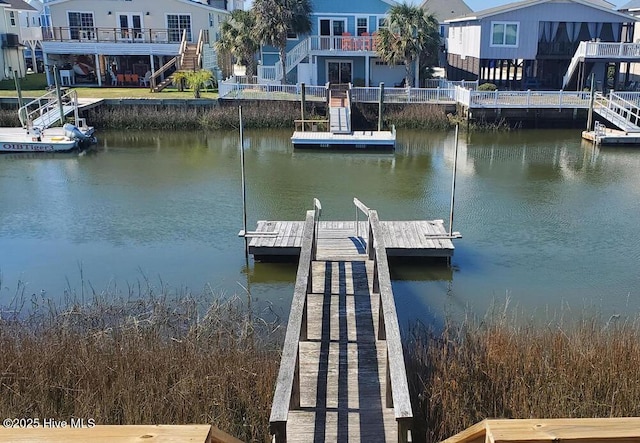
548,222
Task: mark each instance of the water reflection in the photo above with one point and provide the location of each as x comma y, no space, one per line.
546,219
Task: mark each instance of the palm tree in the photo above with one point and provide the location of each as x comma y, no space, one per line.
410,32
237,37
276,18
195,80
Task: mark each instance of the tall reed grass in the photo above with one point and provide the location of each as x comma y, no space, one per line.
265,114
148,358
496,367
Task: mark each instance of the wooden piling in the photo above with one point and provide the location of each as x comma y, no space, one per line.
380,106
303,100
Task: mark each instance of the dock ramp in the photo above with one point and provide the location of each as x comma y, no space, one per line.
339,111
49,109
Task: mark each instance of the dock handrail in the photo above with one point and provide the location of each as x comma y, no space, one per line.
396,387
287,392
365,210
41,106
317,212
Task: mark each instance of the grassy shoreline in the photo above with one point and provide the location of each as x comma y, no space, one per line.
157,357
256,115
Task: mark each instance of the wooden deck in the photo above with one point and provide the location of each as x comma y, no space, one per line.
415,238
116,434
576,430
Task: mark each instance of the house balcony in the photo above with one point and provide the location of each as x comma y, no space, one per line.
112,35
30,34
343,45
556,50
123,41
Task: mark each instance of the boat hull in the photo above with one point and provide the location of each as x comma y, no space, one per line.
37,146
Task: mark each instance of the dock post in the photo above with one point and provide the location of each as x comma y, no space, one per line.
380,106
244,188
591,100
18,88
303,100
56,77
453,181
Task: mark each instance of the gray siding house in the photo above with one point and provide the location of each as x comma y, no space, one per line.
530,43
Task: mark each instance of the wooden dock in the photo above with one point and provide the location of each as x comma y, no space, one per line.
342,375
412,238
609,136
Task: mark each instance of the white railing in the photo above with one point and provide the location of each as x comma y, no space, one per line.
600,50
44,111
238,88
525,99
463,96
403,95
631,97
621,112
297,54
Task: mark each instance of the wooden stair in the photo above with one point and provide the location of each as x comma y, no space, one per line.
186,61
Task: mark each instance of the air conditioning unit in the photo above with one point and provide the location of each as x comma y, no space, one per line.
10,41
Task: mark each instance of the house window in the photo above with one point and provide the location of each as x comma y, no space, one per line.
80,23
176,23
441,30
12,17
291,35
504,34
362,25
382,22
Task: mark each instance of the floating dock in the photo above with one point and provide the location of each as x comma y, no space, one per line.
340,134
413,238
376,140
609,136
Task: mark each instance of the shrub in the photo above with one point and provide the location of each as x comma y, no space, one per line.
487,87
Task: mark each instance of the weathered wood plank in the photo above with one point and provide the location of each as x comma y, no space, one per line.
283,396
115,434
395,360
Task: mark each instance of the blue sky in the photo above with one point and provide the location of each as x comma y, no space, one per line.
477,5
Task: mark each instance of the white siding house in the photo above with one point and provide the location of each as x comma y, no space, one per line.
128,37
531,41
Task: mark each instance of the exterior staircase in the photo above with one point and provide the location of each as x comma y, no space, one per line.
602,51
296,55
189,59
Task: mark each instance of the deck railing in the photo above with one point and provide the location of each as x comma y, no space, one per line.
287,392
343,43
111,35
396,386
618,110
237,88
522,99
46,109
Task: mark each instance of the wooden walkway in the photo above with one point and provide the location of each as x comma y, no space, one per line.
342,376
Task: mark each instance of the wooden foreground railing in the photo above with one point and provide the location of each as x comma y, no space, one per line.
397,387
287,392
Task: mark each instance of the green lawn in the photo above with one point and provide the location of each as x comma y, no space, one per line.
34,85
